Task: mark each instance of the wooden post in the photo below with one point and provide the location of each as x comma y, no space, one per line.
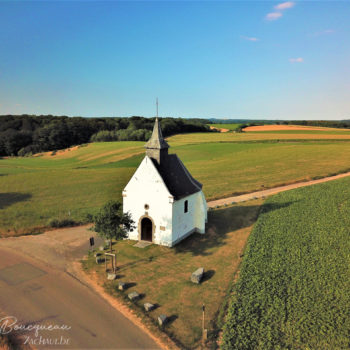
203,329
113,261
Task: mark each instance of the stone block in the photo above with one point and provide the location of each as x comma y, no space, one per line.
133,296
111,276
197,276
162,320
148,306
121,286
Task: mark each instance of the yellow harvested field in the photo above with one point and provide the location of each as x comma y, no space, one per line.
288,127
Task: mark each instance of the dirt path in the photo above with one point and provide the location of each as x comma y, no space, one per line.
271,191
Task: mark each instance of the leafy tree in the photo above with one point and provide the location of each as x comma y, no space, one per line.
111,223
31,133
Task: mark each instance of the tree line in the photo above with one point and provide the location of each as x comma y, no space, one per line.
28,134
343,124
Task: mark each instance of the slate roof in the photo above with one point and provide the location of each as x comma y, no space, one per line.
176,177
157,141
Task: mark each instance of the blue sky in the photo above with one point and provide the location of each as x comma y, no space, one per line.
223,59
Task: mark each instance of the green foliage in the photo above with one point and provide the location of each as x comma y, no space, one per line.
111,223
57,223
31,133
293,291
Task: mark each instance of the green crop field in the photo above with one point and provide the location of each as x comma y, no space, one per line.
293,290
70,184
225,126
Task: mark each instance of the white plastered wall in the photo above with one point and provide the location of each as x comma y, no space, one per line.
147,187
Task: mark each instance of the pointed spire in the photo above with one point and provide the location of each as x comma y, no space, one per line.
157,141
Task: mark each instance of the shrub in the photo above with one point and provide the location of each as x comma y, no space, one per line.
57,223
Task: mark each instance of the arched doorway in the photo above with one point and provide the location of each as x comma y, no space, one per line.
146,230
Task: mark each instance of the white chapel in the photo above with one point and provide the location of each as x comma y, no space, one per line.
166,203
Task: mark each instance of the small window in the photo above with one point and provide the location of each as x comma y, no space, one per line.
186,207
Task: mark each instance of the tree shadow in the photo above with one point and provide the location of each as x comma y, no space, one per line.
10,198
220,223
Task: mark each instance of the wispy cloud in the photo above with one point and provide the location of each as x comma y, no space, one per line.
285,5
323,32
296,60
272,16
249,38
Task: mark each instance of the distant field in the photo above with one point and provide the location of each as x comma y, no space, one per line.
294,129
73,183
293,290
225,126
257,136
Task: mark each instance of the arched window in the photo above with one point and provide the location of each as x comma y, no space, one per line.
186,206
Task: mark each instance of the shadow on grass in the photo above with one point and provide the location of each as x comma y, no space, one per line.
207,275
130,285
171,319
7,199
221,222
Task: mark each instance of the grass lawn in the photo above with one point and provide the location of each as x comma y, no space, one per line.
162,274
73,183
293,290
260,136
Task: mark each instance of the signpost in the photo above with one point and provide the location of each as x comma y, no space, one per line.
113,261
204,331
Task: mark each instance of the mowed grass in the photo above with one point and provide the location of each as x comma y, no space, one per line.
257,137
162,275
293,290
73,183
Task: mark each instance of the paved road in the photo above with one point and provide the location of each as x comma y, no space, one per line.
36,289
271,191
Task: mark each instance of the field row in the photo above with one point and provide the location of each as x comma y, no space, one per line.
293,291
